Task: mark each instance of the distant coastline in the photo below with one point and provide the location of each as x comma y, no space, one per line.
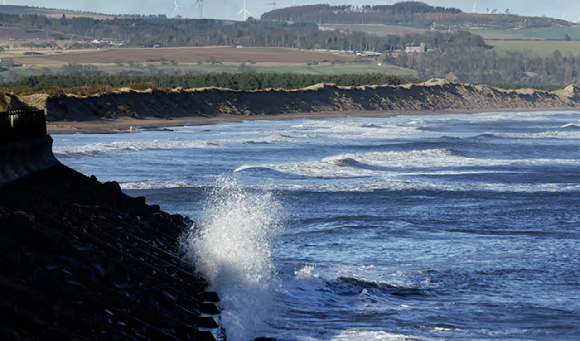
122,109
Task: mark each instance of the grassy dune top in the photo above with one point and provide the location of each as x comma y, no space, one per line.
92,85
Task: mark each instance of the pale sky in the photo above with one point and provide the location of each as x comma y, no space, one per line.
227,9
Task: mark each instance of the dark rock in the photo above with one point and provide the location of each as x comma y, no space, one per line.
76,260
20,218
113,186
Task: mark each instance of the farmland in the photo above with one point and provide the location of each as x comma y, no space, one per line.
151,68
542,48
549,33
201,60
385,30
379,30
224,54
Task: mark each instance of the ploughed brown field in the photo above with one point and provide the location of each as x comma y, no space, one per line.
185,55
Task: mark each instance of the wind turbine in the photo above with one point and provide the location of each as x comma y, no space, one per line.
244,11
563,16
176,10
199,3
273,3
474,3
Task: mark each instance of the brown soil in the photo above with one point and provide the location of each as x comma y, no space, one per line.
186,55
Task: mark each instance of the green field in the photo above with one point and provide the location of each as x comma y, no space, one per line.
549,33
348,68
540,47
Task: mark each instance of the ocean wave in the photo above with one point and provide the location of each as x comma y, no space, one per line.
346,166
266,171
272,139
389,288
97,149
232,249
570,126
351,162
154,185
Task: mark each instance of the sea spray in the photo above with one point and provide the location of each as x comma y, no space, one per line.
231,249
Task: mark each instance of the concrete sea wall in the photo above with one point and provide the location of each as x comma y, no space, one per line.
80,260
25,148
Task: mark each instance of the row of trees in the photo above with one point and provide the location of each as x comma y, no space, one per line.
239,81
203,32
481,65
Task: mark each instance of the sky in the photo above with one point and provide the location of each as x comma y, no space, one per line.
227,9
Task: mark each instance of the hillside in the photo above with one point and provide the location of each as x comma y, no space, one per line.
52,13
411,14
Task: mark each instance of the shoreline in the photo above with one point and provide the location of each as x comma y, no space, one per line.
124,124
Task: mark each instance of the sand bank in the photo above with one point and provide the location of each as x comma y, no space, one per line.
125,108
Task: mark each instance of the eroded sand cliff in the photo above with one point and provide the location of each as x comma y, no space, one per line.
213,102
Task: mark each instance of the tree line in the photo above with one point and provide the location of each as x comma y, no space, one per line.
138,32
480,65
240,81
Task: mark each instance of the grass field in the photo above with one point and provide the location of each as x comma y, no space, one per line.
550,33
326,68
540,47
379,30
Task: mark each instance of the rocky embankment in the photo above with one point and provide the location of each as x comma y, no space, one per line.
80,260
213,102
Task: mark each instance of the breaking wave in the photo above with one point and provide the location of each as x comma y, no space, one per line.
97,149
232,250
154,185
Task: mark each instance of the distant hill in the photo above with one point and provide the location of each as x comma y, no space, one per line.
411,14
52,13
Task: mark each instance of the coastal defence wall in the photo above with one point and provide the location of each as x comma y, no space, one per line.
25,148
435,94
81,260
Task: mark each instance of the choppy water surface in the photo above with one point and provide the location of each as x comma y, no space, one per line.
410,227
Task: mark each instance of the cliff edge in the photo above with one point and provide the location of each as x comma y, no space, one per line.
432,95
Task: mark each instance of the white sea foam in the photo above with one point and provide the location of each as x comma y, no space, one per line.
363,335
95,149
154,185
232,251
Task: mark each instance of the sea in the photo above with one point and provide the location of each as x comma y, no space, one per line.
410,227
